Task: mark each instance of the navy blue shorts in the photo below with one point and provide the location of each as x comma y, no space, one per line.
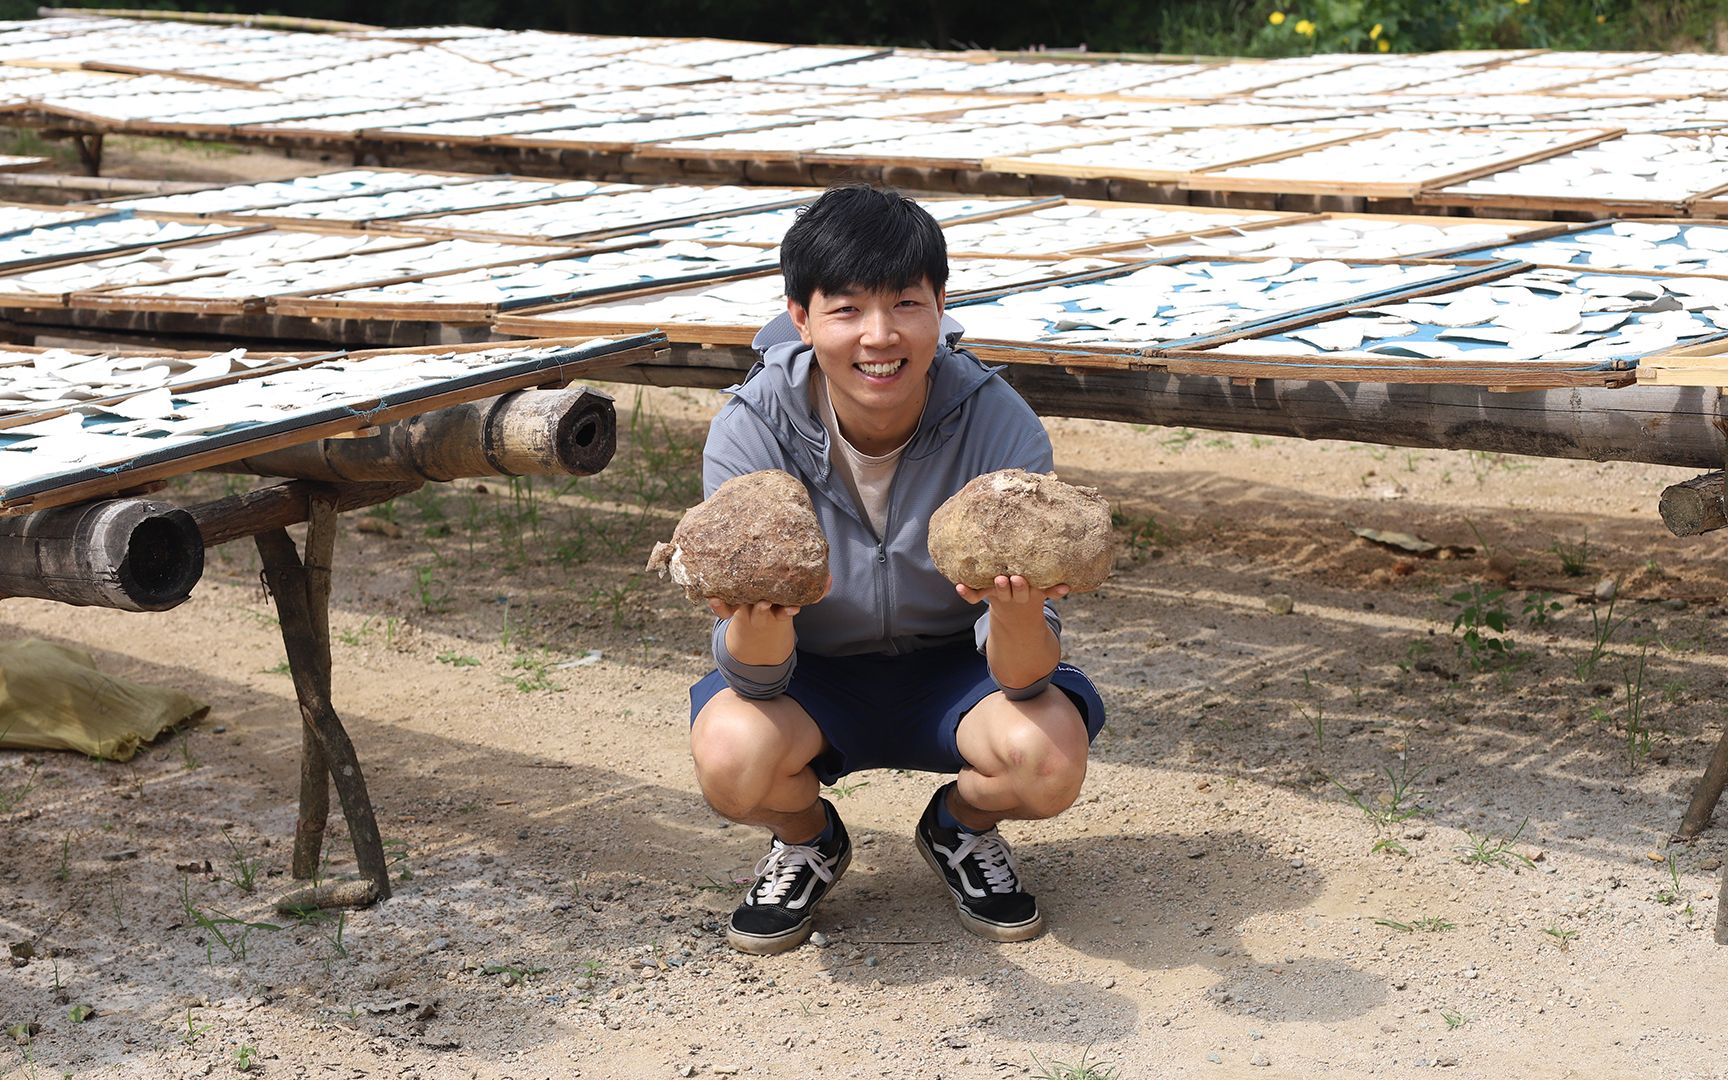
881,711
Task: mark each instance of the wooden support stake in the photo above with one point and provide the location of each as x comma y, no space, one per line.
1707,794
314,764
303,610
89,152
1695,506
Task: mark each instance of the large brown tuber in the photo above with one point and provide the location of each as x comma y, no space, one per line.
1018,522
756,538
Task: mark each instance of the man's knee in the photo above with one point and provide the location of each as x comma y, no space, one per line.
739,753
1045,751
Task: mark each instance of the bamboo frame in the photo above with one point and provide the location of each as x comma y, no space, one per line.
353,416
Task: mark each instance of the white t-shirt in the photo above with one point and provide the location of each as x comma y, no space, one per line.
867,477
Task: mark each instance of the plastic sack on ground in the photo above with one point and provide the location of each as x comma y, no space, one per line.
53,698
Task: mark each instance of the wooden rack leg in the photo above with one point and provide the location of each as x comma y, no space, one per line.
90,152
1707,793
302,605
314,765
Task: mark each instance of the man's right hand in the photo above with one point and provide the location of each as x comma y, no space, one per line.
760,633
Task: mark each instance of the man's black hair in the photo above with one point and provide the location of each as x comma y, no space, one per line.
860,238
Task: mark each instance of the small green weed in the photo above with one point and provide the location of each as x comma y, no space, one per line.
1574,558
1540,608
1638,733
63,870
429,588
79,1013
194,1030
188,760
1561,936
456,659
1427,924
1485,641
396,859
513,973
338,946
1494,849
243,866
1413,655
1672,893
536,673
1454,1019
841,791
221,928
1392,807
1084,1069
243,1058
12,795
1140,534
279,668
1602,628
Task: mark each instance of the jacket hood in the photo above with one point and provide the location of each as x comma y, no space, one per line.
784,403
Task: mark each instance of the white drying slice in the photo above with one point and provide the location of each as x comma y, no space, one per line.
1707,237
1650,233
1425,350
1605,285
1466,311
1552,317
1328,336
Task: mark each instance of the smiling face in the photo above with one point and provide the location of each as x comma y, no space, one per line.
875,348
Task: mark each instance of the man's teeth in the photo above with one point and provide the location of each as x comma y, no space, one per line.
888,368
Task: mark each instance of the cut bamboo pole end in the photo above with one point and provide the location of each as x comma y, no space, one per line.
128,554
1695,506
527,433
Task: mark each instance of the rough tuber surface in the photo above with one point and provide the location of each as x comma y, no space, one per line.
756,538
1018,522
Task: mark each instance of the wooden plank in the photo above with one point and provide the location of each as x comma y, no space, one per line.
1408,189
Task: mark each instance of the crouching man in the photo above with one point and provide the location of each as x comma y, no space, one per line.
863,395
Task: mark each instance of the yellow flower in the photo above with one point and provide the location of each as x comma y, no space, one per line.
1523,1
1601,18
1374,34
1276,18
1385,46
1304,27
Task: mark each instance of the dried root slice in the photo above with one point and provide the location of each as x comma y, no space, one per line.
756,538
1018,522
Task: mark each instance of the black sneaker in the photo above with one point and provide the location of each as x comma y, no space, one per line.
791,880
979,870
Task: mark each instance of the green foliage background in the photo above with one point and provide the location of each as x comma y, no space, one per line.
1213,27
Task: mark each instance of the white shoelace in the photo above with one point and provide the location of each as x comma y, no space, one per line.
994,859
779,870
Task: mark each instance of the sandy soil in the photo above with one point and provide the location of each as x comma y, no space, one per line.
1220,905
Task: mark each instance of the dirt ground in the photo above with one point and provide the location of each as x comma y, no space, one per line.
1318,843
1336,841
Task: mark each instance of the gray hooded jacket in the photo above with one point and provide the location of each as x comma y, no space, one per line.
887,597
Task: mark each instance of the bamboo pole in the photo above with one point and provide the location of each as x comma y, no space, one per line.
282,505
106,185
1694,506
1657,425
129,554
527,433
